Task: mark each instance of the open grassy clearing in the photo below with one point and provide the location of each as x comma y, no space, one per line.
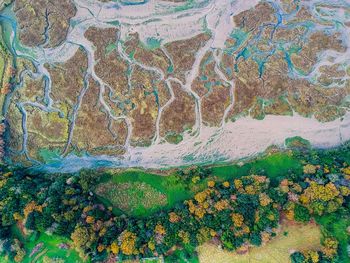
139,193
272,165
49,250
52,250
291,237
138,198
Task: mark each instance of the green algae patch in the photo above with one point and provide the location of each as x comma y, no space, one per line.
110,48
153,43
188,5
48,155
239,37
170,69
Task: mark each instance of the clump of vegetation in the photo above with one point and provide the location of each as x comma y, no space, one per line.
297,143
174,138
328,253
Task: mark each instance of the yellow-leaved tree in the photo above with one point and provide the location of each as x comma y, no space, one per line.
127,241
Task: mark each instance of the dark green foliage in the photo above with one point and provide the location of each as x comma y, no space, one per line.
182,256
88,179
301,213
30,222
255,239
246,205
297,257
4,232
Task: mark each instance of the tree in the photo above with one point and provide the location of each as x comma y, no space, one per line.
203,235
237,219
309,169
185,236
297,257
255,239
127,241
43,221
80,236
30,222
301,213
87,179
330,246
173,217
4,232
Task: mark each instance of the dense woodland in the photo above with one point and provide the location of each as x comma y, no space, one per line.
237,213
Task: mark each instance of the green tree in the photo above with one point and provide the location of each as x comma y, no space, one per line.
301,213
297,257
87,179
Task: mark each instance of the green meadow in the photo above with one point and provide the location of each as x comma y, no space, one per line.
140,193
49,250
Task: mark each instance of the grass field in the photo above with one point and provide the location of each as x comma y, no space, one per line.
278,250
138,198
140,193
271,165
49,252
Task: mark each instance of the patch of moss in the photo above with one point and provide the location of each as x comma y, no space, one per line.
174,138
297,142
